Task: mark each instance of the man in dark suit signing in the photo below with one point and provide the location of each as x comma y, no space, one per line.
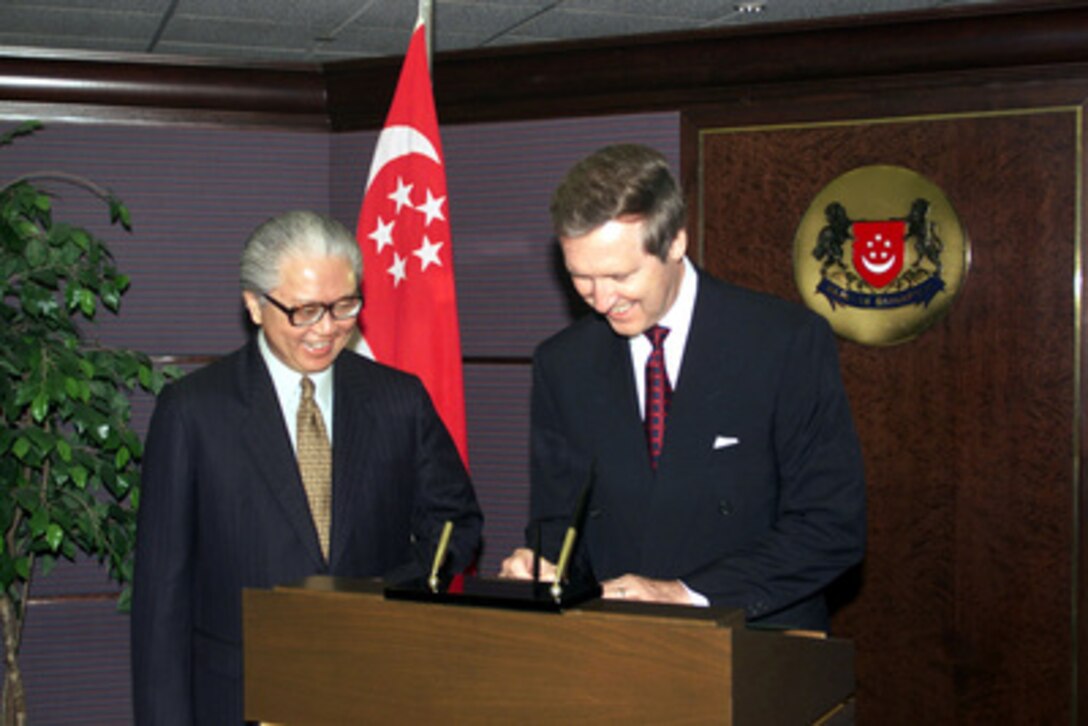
726,468
287,458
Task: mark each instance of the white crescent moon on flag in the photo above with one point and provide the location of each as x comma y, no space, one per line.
397,141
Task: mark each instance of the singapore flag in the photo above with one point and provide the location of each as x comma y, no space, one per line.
409,318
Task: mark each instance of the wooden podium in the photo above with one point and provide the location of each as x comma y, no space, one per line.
335,651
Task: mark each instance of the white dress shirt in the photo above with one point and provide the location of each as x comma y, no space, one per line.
678,320
287,382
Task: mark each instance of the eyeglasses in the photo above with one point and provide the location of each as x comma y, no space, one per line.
302,316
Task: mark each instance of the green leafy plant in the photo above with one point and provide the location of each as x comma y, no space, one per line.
69,471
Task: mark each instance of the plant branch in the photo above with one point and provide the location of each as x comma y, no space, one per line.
75,179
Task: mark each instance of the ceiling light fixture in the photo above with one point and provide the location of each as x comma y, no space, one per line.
750,8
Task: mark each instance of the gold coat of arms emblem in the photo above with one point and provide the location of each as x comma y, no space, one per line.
881,254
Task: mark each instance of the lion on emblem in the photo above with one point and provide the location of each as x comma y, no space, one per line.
927,244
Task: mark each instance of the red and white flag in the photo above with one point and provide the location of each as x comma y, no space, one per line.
409,320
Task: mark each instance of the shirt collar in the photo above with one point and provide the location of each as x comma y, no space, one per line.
678,317
678,320
286,380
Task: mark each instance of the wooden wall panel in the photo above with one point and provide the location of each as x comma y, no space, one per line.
964,610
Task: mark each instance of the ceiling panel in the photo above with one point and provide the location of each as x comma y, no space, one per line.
322,30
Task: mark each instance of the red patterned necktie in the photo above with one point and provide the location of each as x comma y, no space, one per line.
658,393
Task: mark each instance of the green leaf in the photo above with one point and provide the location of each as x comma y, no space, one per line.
111,298
22,568
79,475
21,447
86,300
39,407
53,536
36,251
119,213
124,602
27,497
64,450
38,522
123,485
27,231
145,376
82,240
24,129
122,457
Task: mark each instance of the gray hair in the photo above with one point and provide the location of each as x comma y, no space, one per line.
300,233
617,182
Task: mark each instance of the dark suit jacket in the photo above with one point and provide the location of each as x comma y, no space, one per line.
223,508
758,501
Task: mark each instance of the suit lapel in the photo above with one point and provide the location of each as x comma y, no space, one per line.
269,446
620,440
706,365
620,425
354,425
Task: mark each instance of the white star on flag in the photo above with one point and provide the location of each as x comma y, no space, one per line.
403,195
432,208
397,269
428,253
382,234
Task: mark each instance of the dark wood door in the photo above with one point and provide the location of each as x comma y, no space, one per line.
964,610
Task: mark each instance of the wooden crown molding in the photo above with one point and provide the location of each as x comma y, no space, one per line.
647,73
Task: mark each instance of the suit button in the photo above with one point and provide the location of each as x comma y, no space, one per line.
725,507
595,513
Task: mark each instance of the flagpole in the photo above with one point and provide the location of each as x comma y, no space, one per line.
426,16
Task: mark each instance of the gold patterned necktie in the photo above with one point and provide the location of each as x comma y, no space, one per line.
315,462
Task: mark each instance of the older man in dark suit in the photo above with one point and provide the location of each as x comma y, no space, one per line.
725,463
289,457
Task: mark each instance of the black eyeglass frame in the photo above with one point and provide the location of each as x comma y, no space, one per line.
290,312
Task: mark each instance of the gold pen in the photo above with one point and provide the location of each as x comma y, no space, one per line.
440,555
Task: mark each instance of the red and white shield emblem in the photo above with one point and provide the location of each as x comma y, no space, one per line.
879,250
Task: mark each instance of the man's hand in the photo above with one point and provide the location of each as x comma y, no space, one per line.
519,566
643,589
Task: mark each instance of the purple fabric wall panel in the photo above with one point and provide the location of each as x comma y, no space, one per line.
497,401
75,664
194,195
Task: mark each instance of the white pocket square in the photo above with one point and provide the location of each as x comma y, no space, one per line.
722,442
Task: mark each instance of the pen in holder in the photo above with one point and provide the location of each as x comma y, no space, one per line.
571,537
440,555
